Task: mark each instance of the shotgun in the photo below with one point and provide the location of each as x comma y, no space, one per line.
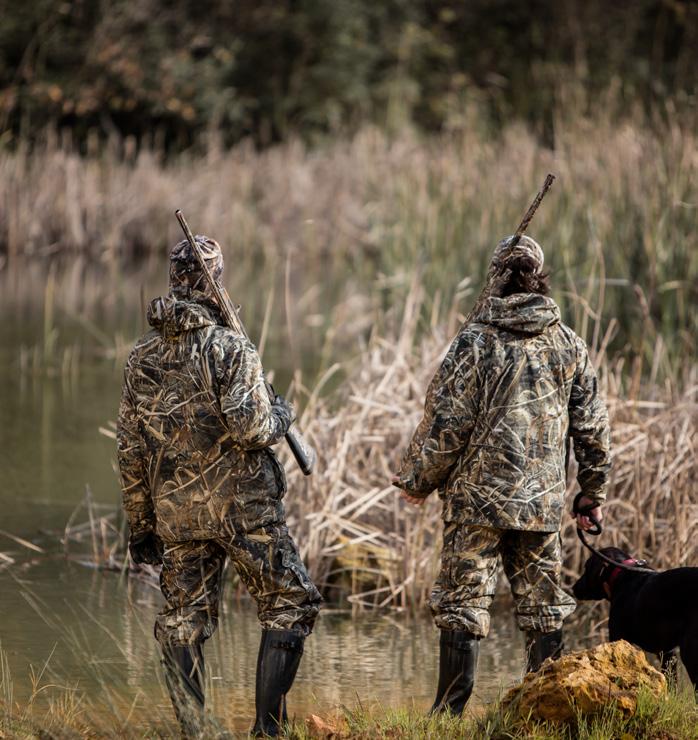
301,450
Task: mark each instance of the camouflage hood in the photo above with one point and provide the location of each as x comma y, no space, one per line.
529,313
172,317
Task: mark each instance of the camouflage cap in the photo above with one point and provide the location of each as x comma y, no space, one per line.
186,276
526,247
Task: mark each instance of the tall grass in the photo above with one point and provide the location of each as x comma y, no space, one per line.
349,222
56,709
362,542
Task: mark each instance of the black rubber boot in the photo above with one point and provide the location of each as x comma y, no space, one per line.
280,654
184,675
458,653
540,646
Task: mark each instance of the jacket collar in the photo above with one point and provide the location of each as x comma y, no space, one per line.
172,317
529,313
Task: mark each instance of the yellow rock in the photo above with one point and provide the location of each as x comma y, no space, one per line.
585,681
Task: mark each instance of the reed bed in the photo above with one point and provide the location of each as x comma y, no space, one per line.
355,262
318,226
366,547
362,543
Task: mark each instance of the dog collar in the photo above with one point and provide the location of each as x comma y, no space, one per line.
617,571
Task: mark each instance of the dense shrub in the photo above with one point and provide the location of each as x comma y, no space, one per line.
265,68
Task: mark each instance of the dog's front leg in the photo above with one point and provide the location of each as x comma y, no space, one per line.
615,626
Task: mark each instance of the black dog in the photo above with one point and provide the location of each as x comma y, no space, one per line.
658,612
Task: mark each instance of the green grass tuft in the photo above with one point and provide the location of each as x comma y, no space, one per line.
674,717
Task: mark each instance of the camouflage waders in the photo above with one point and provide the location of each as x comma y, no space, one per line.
466,583
268,564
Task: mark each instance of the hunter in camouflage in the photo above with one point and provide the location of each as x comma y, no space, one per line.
515,385
202,486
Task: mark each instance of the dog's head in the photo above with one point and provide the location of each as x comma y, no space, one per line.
590,587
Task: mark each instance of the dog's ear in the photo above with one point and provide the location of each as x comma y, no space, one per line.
598,565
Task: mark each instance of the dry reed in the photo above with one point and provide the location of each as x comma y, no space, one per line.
324,223
361,244
361,541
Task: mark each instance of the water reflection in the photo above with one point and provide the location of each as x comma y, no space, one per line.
99,628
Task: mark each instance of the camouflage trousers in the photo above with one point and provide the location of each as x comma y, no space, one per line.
267,562
466,583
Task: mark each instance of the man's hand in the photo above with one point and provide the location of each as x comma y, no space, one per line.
145,548
283,408
414,500
583,520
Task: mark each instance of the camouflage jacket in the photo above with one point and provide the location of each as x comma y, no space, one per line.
195,423
512,387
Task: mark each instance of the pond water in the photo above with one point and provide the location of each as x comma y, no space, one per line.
93,630
96,632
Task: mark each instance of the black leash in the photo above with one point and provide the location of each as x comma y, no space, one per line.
596,531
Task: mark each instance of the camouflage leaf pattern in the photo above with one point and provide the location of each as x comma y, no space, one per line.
268,564
194,425
185,702
467,581
514,383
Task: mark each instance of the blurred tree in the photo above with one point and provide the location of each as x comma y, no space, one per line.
266,68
